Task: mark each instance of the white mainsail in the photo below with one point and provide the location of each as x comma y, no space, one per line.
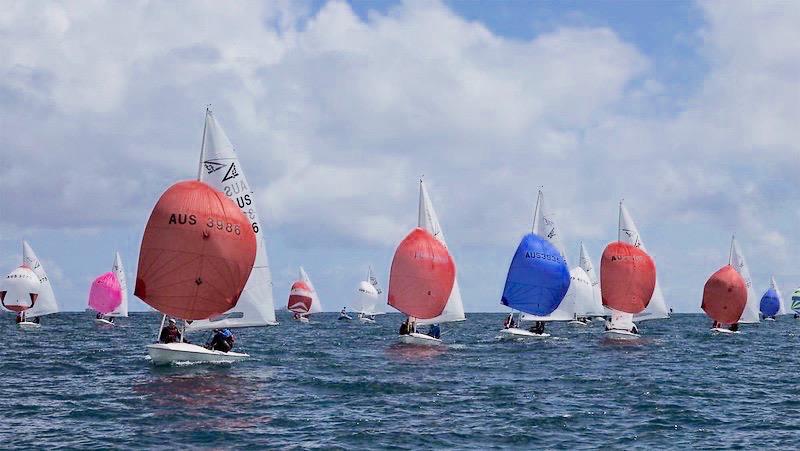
629,233
119,272
544,225
46,302
316,306
752,309
581,293
585,263
220,168
427,219
774,286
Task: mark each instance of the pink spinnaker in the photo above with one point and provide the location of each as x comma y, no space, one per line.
105,294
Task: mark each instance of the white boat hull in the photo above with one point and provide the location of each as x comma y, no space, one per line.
367,320
416,338
103,322
345,317
577,323
515,333
168,353
621,334
722,330
28,325
769,318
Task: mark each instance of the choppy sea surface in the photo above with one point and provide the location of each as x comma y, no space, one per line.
335,384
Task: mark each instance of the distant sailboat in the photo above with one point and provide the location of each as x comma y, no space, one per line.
108,294
585,263
724,298
538,278
751,310
422,279
221,169
365,302
19,291
196,256
304,285
627,280
771,304
46,300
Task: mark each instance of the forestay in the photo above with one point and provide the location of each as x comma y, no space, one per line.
46,301
751,309
428,220
629,233
220,167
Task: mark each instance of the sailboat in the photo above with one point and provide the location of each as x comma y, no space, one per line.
629,233
221,169
196,256
428,220
771,303
796,303
724,298
304,288
593,308
108,294
45,303
751,310
538,278
627,280
365,302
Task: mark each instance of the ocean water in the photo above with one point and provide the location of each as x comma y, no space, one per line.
343,385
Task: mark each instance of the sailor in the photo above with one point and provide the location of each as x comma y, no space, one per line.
20,317
715,325
343,312
734,327
405,328
634,329
221,340
435,331
99,315
538,327
509,322
35,320
170,333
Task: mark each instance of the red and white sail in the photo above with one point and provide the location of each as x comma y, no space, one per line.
628,278
300,298
19,290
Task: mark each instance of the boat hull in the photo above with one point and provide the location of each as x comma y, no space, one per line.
416,338
169,353
722,330
621,334
515,333
29,325
367,320
578,323
103,322
344,318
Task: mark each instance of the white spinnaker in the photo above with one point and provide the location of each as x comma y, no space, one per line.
629,233
20,288
119,271
366,299
774,285
597,297
753,307
428,220
581,293
221,169
316,306
544,225
46,302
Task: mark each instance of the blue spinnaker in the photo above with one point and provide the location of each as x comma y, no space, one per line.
770,303
537,279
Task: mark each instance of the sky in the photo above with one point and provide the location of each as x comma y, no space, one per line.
687,110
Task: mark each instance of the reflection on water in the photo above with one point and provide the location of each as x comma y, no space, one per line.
405,352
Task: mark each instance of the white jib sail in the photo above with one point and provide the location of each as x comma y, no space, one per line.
597,297
427,219
544,225
753,307
581,293
774,285
46,302
629,233
221,169
366,299
316,306
119,271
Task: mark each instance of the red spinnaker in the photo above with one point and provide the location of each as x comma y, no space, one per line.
627,277
725,295
422,276
300,297
197,252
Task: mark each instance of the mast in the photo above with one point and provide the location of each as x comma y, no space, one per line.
203,144
619,222
536,211
730,253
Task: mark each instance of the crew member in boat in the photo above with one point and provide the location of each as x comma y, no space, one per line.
170,333
221,340
634,330
20,317
435,331
407,327
509,322
538,327
734,327
715,325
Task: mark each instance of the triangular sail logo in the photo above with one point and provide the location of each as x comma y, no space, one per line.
231,174
212,166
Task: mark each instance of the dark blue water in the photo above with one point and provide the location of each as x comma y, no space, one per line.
345,385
